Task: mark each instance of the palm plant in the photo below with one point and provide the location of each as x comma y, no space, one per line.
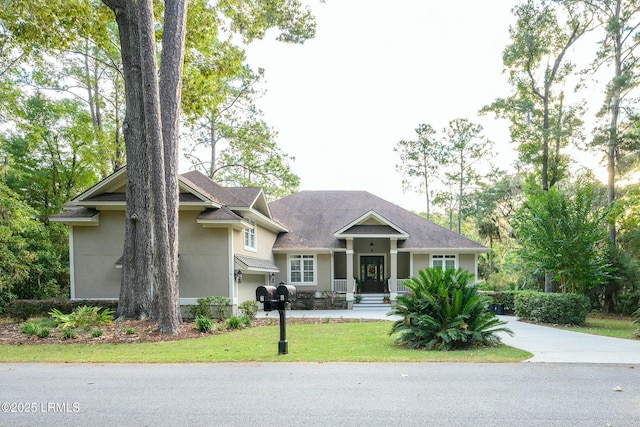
444,312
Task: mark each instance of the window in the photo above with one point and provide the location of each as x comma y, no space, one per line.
443,261
302,269
250,235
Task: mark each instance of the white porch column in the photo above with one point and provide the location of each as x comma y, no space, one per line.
393,269
350,269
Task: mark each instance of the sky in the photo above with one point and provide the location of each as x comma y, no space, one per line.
375,70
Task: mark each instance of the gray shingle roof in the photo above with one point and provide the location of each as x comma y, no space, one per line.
258,264
229,196
315,216
81,213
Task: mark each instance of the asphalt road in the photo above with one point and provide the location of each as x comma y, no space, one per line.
316,394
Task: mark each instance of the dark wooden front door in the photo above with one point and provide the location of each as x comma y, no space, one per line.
372,273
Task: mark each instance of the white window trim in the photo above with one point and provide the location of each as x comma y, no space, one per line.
444,258
315,269
251,232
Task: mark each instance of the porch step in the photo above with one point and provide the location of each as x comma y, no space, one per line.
371,301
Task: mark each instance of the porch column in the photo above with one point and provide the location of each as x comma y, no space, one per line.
393,269
350,273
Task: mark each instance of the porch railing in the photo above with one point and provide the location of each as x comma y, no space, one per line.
401,287
341,286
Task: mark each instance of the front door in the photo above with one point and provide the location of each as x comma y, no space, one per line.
372,273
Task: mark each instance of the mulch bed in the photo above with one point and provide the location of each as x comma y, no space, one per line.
144,331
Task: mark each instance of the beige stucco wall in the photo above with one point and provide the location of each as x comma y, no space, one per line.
247,289
404,265
467,262
420,262
264,242
204,258
95,251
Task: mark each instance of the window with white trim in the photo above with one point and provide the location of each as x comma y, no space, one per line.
302,269
250,236
444,262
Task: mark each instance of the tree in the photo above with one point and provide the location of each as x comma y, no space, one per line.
465,146
565,236
492,205
150,278
251,156
253,159
421,160
620,20
541,121
51,151
33,256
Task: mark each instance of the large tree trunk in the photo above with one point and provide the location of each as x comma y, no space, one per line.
136,297
151,138
173,41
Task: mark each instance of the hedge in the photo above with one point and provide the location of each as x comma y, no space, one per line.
556,308
26,308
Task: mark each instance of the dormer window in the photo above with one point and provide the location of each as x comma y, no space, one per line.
250,236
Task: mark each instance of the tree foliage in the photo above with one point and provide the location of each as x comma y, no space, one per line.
52,151
33,256
541,121
420,160
564,234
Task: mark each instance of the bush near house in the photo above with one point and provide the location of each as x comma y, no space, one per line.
212,307
556,308
444,312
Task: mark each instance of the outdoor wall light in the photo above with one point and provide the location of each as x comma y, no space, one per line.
371,246
238,276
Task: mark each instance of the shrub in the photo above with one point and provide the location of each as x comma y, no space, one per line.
212,307
68,334
6,299
26,309
234,323
245,320
30,328
130,331
249,308
204,324
556,308
44,332
508,299
444,312
96,333
83,317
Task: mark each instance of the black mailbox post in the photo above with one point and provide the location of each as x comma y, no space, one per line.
278,299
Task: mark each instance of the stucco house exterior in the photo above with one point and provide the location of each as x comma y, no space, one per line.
231,240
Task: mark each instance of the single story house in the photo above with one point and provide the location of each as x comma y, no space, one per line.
231,240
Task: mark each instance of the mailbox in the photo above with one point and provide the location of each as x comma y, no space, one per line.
265,293
286,293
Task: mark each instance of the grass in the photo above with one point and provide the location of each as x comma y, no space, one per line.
327,342
607,326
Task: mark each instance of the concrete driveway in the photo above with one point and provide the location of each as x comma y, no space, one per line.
546,343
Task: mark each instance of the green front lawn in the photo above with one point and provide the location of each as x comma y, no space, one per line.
339,342
615,327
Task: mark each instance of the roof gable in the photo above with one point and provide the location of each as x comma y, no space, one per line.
324,219
371,224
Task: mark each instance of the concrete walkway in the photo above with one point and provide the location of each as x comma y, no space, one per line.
547,344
